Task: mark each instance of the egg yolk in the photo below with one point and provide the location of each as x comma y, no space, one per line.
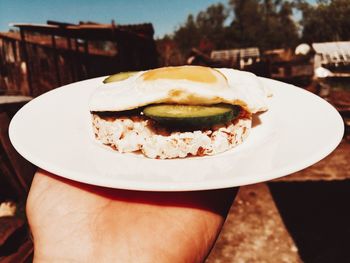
191,73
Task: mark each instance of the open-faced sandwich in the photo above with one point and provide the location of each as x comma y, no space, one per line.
176,112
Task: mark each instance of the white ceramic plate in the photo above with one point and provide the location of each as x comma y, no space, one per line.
54,132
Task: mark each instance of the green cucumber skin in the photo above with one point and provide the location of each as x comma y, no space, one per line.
197,122
200,122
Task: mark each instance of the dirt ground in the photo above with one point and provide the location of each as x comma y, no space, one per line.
254,230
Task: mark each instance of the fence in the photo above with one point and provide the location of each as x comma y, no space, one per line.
38,58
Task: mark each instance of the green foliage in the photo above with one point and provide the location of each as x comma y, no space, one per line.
206,26
188,35
266,24
327,21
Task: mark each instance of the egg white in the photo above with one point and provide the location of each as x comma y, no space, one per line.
239,88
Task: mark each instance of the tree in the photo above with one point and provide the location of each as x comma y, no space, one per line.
327,21
211,23
188,35
260,23
265,24
207,27
246,26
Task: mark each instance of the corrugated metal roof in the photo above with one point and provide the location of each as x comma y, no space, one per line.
333,52
234,54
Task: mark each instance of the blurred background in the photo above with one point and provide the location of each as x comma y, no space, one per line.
43,45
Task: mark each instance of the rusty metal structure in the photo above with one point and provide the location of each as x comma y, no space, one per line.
39,57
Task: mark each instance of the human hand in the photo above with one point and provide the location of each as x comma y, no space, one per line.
76,222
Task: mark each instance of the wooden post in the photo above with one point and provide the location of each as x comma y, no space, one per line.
78,60
26,60
71,60
3,51
14,50
86,58
57,68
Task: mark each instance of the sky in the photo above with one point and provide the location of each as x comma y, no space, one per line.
165,15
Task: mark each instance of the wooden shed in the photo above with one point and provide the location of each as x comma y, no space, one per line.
38,57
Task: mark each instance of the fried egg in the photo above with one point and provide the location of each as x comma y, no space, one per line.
189,85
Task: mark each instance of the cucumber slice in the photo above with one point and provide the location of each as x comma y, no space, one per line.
191,116
119,76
